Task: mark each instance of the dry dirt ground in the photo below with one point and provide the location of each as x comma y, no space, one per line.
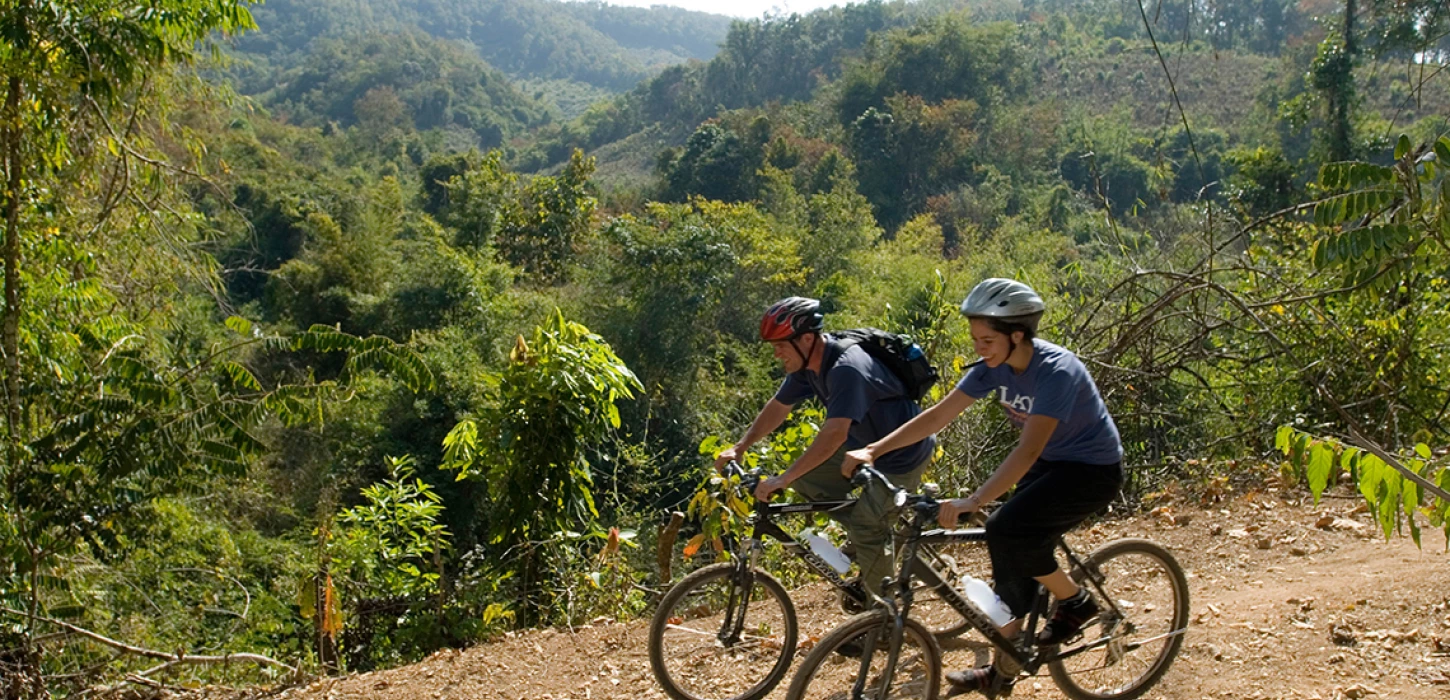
1289,600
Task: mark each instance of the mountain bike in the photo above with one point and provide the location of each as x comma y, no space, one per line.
1119,655
728,631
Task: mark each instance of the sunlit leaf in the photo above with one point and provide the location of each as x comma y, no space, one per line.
1321,462
693,545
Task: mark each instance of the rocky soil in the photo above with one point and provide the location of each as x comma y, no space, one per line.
1289,600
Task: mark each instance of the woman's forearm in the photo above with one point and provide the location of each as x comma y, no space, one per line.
1035,434
925,424
1005,477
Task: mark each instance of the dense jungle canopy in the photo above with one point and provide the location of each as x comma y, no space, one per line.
342,331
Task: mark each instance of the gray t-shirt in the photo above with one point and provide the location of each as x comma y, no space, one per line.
1056,385
867,392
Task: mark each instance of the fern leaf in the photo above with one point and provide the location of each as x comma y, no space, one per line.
239,325
240,376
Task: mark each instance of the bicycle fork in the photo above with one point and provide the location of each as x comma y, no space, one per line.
739,600
893,654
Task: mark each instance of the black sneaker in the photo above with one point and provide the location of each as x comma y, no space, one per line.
853,648
986,680
1067,621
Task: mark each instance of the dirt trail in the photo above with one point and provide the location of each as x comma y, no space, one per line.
1281,608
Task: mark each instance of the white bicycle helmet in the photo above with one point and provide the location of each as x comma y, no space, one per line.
1003,298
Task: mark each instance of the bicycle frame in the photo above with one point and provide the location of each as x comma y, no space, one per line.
747,551
763,525
924,509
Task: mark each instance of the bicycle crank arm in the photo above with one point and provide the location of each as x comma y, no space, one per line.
1104,641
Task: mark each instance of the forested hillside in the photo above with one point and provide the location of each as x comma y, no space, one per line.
570,51
351,348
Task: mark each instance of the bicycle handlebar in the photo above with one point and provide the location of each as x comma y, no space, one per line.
864,474
927,504
748,479
900,496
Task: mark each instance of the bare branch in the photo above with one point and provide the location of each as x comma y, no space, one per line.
169,658
1373,448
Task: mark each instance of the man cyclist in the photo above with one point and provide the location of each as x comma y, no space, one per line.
1067,465
864,401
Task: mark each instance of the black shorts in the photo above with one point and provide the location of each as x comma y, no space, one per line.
1052,498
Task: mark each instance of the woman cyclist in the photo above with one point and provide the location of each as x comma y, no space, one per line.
1067,465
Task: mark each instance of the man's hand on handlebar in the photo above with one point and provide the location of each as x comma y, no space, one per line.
768,487
854,459
726,456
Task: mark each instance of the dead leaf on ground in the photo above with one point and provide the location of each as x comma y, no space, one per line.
1330,522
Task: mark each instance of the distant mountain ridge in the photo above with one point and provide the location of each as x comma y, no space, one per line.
604,46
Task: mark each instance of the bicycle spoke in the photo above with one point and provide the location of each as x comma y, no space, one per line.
835,669
682,628
710,640
1130,645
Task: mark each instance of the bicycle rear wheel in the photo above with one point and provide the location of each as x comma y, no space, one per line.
829,674
709,641
1130,645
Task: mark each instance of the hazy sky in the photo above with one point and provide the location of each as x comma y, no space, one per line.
737,8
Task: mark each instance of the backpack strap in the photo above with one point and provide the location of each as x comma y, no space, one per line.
841,344
835,347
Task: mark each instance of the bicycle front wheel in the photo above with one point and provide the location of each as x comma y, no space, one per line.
835,670
1130,645
712,639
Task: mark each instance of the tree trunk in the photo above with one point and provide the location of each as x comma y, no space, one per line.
1341,94
10,135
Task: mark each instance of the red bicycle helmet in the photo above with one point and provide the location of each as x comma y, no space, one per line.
790,318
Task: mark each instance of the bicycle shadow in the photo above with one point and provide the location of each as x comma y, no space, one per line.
966,651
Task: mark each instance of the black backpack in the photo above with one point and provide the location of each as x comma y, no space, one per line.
898,352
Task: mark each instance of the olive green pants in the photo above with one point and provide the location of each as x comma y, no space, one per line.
868,523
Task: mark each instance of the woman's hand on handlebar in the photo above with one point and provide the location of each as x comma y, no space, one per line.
856,458
956,509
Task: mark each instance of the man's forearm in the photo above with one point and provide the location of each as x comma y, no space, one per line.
769,418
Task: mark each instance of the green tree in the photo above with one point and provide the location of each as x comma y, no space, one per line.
534,447
109,406
534,224
1263,179
911,150
716,163
390,547
71,66
553,216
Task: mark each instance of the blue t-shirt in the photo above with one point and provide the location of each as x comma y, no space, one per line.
862,389
1056,385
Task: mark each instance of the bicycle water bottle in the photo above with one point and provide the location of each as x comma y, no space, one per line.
827,551
986,600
